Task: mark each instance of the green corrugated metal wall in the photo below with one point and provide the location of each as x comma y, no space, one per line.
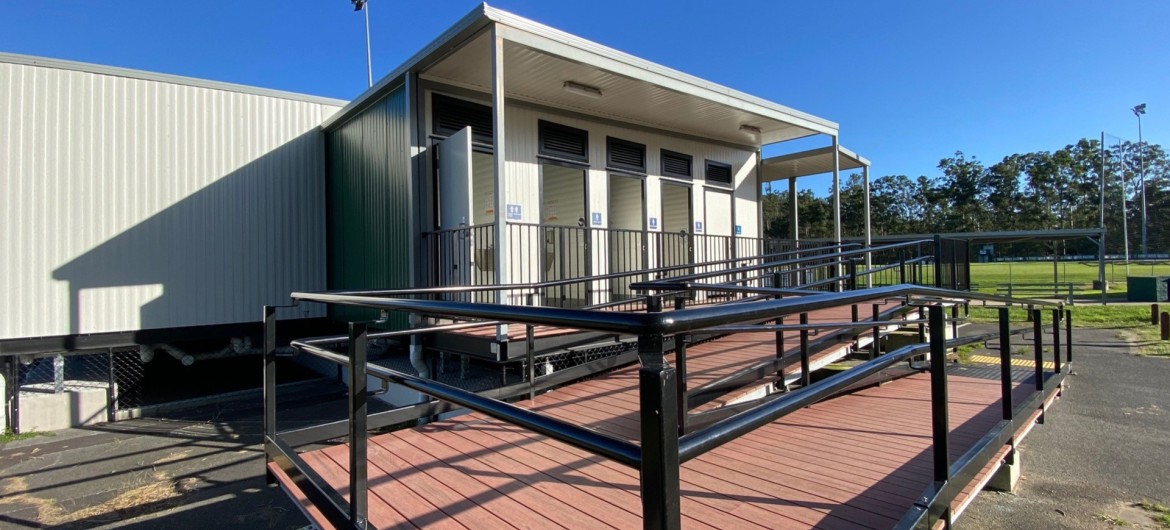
368,188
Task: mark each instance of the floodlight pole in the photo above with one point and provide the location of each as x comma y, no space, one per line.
369,60
1138,111
1101,243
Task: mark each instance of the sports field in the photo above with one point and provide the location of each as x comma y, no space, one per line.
988,275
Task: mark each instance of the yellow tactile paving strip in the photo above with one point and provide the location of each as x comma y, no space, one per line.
1016,361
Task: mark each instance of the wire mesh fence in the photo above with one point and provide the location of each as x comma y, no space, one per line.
119,373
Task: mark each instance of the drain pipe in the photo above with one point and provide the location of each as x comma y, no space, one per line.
146,353
417,360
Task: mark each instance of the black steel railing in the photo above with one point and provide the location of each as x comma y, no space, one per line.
665,442
466,256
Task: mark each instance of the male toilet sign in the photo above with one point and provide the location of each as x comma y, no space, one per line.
698,227
739,230
654,223
596,218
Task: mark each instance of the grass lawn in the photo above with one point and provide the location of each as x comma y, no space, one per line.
1131,320
988,275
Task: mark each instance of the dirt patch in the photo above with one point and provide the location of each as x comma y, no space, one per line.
153,492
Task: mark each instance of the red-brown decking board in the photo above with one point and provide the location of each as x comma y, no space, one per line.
857,461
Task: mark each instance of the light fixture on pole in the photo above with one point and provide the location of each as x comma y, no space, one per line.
363,6
1138,111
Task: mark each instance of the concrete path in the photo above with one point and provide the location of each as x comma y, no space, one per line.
1104,447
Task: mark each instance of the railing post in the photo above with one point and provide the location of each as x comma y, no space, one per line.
659,423
805,376
1068,335
875,347
921,325
955,320
779,320
901,268
938,264
112,381
939,413
680,363
269,384
1056,314
358,494
852,270
530,354
1038,344
1005,362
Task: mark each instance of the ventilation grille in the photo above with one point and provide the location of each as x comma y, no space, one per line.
451,115
718,172
676,165
626,155
561,141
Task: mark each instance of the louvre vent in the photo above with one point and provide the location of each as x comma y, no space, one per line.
622,154
561,141
718,172
676,165
451,115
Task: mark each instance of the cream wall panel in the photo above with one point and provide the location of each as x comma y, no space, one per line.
132,204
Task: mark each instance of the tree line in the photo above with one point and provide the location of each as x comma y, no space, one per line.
1030,191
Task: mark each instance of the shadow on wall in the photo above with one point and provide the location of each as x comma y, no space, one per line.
247,239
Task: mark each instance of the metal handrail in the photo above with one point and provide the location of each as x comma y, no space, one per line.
695,444
618,450
650,284
651,323
455,289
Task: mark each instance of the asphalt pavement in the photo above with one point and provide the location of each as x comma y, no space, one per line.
1104,446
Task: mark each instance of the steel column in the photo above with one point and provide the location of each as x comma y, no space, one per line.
358,493
1068,335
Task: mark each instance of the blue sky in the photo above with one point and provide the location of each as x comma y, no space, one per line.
909,82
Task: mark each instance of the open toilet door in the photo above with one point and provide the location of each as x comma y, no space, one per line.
456,254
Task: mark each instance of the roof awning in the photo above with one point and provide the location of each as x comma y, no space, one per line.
554,69
811,162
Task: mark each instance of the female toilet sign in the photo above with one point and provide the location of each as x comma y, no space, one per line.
698,227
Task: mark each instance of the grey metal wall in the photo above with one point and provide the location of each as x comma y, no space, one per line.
369,198
133,203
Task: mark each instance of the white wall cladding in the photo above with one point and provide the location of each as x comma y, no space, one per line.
523,168
135,204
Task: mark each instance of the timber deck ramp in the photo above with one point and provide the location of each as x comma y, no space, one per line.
722,426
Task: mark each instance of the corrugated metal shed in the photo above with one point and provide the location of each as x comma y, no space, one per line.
370,198
138,201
